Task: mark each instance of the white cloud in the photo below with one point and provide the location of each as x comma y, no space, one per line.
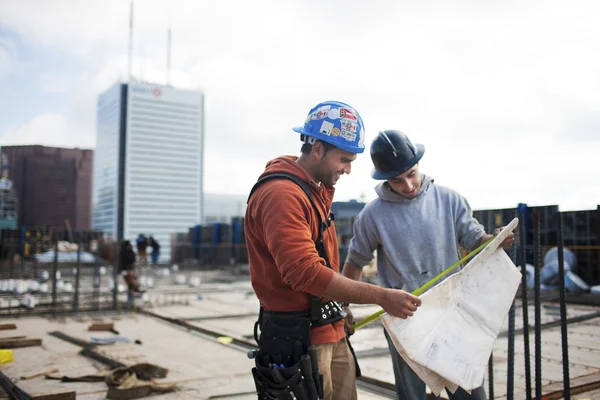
48,129
503,95
8,61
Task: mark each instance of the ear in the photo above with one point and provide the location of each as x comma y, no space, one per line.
318,151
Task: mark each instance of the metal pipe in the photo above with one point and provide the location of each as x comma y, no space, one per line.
510,361
77,273
563,307
115,275
54,272
96,282
491,376
524,304
538,311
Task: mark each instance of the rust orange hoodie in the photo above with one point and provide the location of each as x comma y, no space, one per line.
281,228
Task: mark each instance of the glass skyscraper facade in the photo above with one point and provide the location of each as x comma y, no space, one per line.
148,162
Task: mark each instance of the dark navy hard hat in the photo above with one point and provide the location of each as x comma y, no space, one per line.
393,153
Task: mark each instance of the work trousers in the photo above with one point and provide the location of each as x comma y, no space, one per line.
336,363
410,387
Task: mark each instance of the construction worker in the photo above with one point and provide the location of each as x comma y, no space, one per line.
142,248
294,264
127,268
416,227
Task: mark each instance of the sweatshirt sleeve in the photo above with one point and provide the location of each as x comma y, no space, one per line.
287,217
468,230
364,240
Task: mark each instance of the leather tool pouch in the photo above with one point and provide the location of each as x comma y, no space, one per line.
286,363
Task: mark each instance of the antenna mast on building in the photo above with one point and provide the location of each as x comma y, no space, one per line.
169,49
130,42
169,57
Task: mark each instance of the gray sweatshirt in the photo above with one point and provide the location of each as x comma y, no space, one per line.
415,239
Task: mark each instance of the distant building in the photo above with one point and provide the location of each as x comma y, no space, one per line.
347,209
53,185
148,167
8,204
223,207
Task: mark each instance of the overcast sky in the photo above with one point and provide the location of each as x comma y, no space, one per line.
505,96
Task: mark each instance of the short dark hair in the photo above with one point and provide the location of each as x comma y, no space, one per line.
307,147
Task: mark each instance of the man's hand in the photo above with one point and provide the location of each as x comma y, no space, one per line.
399,303
349,322
508,242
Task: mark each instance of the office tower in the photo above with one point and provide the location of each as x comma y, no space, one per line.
148,162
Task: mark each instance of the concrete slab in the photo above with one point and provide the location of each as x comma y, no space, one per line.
193,360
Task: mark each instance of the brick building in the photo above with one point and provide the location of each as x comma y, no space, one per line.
52,185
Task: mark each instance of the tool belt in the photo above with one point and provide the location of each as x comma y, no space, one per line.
286,363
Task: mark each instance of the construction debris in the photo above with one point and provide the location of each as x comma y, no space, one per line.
101,327
18,343
110,340
13,390
99,377
70,395
94,355
70,339
44,373
124,383
6,356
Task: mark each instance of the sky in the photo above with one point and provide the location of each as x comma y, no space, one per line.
504,95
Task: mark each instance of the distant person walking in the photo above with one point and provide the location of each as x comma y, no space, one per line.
155,250
127,265
142,246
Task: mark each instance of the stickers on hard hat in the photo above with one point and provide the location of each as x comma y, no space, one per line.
320,113
350,136
334,113
335,132
347,113
326,128
348,125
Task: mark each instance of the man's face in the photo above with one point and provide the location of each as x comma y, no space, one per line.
407,184
333,164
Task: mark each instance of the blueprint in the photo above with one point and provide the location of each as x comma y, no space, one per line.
449,340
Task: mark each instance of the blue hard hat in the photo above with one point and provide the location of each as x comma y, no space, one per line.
336,123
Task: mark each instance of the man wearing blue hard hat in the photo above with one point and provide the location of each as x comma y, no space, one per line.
416,227
294,265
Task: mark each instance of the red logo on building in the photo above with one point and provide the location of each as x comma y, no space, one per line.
156,92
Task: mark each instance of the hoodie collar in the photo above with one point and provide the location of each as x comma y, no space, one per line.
385,192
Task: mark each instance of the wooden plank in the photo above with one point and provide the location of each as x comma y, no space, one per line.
4,327
70,395
13,337
18,343
101,326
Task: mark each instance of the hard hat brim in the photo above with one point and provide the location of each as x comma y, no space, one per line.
381,176
300,130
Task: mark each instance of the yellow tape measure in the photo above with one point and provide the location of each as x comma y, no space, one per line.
426,286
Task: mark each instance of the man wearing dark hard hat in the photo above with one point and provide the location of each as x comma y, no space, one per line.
416,227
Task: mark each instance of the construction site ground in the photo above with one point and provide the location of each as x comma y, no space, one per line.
205,366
